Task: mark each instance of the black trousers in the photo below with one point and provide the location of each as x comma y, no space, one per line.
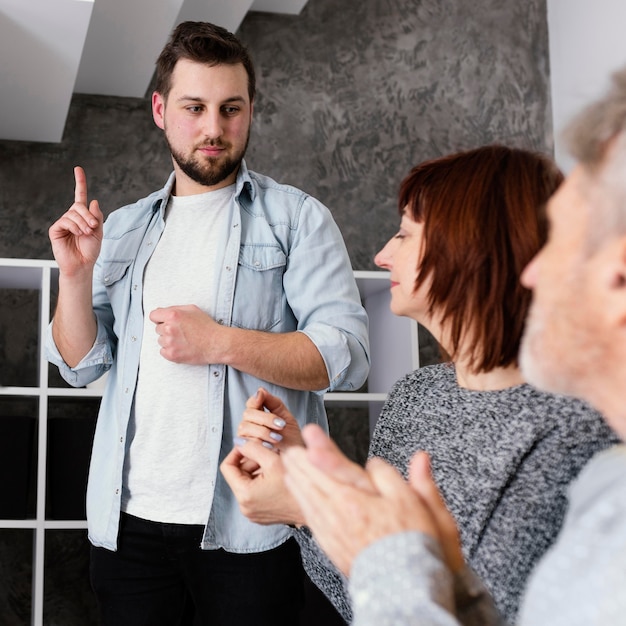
159,576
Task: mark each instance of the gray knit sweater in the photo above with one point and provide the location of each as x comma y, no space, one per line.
401,580
503,461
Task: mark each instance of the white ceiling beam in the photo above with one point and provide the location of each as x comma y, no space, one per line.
40,47
291,7
51,49
225,13
124,40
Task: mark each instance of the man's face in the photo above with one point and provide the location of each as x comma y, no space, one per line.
206,119
561,345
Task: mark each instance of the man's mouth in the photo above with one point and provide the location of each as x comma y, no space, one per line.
211,151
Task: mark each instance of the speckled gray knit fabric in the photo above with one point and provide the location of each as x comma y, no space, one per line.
502,459
401,580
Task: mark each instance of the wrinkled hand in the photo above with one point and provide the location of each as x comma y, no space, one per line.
76,237
185,333
261,493
348,507
267,419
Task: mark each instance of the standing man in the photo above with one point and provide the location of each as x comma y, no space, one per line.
191,298
398,543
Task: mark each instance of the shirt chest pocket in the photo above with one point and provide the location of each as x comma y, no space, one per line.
115,277
259,295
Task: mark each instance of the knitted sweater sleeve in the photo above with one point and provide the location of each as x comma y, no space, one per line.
401,580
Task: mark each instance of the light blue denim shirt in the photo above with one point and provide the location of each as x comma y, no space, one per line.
285,268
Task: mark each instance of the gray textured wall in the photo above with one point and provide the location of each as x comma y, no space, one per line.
354,93
351,95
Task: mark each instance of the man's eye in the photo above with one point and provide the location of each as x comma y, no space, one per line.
194,109
230,110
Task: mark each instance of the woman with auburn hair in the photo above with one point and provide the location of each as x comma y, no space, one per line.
502,452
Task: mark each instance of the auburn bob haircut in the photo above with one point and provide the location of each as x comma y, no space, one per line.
483,213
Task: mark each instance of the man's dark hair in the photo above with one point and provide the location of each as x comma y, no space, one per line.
202,42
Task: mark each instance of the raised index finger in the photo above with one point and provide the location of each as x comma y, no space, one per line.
80,191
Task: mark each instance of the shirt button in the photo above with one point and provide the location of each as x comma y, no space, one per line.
133,338
216,374
228,268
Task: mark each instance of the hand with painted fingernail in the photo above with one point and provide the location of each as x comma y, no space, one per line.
255,473
249,465
268,420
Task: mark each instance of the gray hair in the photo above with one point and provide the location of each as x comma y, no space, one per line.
591,131
597,139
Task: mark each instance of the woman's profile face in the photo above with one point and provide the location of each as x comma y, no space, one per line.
400,257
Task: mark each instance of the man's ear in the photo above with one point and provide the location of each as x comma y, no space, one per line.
158,110
615,282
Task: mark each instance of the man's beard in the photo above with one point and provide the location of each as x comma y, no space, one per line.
532,365
556,357
208,171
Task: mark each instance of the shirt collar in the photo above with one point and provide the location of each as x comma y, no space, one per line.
243,184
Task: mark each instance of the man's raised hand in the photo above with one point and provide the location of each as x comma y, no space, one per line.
76,237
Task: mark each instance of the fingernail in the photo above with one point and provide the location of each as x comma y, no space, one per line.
276,436
239,441
280,422
267,444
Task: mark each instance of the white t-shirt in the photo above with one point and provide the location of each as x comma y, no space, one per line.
165,469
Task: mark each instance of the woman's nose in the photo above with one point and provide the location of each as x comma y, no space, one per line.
383,258
529,274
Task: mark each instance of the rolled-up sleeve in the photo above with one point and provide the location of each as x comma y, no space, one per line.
97,361
321,290
402,580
